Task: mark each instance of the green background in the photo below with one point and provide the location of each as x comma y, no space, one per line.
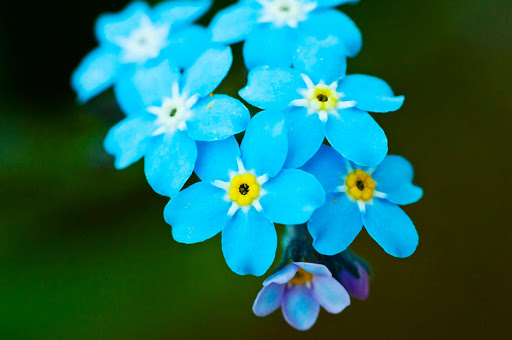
85,252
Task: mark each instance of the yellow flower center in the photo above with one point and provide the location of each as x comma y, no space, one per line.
244,189
360,185
301,277
323,97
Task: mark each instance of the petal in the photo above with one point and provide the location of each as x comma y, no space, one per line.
201,78
128,140
283,275
328,166
186,44
216,159
278,44
291,197
197,213
391,228
314,268
169,162
249,243
335,225
265,143
334,3
394,176
180,12
330,294
272,88
299,307
356,287
305,135
371,93
357,136
218,117
234,23
268,299
96,72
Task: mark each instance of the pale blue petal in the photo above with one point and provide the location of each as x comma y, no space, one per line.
291,197
186,45
216,159
357,136
270,46
111,26
180,12
268,299
335,225
265,143
314,268
234,23
283,275
334,3
329,167
299,307
218,117
391,228
169,162
330,294
197,213
249,243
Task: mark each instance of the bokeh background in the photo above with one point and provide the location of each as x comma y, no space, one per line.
85,252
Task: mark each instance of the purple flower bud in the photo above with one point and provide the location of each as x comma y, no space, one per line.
356,287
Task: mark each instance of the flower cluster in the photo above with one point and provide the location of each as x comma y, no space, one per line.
164,70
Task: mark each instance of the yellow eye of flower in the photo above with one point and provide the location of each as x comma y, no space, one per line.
360,185
323,97
244,189
301,277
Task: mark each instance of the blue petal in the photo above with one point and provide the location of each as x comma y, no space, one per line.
371,93
169,162
278,45
217,118
357,136
334,24
299,307
109,27
234,23
129,139
265,143
283,275
201,78
268,299
393,177
146,87
180,12
314,268
186,45
272,88
249,243
291,197
335,225
391,228
334,3
197,213
328,166
305,135
330,294
96,72
216,159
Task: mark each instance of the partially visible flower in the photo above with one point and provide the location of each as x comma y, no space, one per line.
300,289
359,195
274,29
243,192
167,112
138,36
358,287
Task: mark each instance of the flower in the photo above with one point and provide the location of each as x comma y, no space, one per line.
300,289
359,195
319,101
358,287
279,27
167,112
138,36
243,192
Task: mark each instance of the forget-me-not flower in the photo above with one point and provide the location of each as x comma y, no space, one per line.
243,192
139,36
167,112
358,287
359,195
300,289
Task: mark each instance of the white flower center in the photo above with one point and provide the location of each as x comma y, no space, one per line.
285,12
144,43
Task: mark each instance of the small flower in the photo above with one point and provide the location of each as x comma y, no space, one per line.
139,35
300,289
243,192
359,195
279,27
358,287
167,112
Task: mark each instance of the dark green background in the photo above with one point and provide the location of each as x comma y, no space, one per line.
84,250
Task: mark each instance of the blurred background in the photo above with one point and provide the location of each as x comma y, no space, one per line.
85,252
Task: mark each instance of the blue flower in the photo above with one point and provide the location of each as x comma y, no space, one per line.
167,112
358,287
319,101
140,35
243,191
274,29
359,195
300,289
